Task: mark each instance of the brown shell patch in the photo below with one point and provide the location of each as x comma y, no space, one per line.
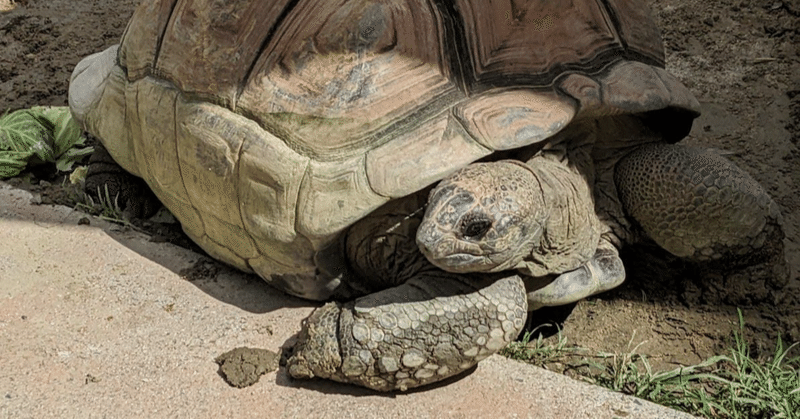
333,75
509,119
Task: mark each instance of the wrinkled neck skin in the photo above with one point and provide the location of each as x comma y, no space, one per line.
485,218
572,230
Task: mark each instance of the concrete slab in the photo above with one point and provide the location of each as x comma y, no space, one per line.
97,321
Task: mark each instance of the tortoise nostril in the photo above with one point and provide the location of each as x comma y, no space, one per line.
426,238
423,247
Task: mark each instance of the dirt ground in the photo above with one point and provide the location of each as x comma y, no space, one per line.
741,58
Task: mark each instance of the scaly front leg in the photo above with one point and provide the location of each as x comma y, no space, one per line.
416,324
432,327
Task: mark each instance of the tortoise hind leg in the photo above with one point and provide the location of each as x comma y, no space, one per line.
701,207
129,192
697,204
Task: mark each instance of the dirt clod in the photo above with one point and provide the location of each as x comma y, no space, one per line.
242,367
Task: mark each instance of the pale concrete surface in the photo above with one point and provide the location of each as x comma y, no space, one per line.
96,322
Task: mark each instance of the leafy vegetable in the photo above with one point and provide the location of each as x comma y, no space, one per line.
39,135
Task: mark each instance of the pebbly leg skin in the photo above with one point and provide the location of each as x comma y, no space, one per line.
698,205
432,327
415,324
603,272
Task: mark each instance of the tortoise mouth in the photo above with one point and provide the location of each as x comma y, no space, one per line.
458,257
463,263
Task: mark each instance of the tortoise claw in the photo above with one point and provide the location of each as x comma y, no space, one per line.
604,271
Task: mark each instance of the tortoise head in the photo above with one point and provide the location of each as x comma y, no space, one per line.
486,217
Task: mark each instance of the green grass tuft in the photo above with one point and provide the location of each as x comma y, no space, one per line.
734,386
106,207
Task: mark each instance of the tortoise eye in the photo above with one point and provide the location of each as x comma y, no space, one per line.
475,226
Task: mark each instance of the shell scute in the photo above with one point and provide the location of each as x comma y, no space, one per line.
508,119
208,46
333,196
421,156
526,44
151,109
109,117
332,75
139,47
270,175
634,87
640,38
208,140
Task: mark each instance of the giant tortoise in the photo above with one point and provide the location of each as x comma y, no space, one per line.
299,140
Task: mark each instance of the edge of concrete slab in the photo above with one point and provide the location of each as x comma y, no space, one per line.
97,321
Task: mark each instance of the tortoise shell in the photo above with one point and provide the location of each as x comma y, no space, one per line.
268,128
